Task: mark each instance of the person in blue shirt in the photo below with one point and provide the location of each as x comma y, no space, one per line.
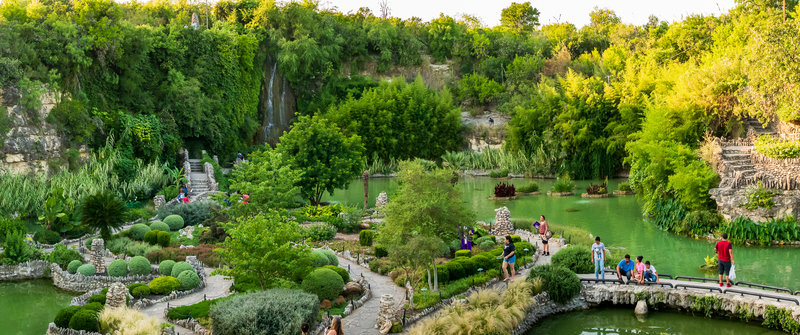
625,267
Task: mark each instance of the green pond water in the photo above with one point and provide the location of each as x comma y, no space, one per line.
27,307
618,221
622,321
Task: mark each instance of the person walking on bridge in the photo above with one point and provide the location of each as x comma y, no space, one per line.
724,251
599,258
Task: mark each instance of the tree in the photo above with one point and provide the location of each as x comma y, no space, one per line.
416,255
327,159
103,212
267,179
519,17
426,204
261,247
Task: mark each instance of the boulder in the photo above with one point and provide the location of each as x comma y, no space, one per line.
325,304
352,289
339,300
641,307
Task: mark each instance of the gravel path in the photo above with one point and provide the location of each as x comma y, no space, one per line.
216,287
362,321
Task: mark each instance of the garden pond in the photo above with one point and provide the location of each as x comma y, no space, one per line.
27,307
617,220
622,321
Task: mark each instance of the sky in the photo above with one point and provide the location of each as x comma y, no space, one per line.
552,11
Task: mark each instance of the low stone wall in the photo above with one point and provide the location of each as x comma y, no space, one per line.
52,329
80,283
728,200
22,271
542,307
83,299
193,325
142,303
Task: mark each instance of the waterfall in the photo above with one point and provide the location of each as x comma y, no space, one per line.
282,109
269,125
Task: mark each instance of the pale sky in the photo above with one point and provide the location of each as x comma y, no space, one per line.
573,11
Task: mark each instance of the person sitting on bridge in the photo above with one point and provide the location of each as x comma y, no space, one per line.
625,268
638,273
650,273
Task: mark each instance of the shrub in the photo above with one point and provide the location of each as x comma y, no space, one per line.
164,285
758,196
87,270
64,256
151,237
47,237
325,283
380,266
127,321
485,262
598,189
163,239
158,225
499,174
319,232
93,306
464,253
118,268
138,230
577,259
515,238
85,319
624,186
332,259
699,223
502,190
272,312
397,327
165,267
196,311
341,271
560,283
319,259
528,188
64,315
140,291
98,298
175,222
365,238
103,212
192,213
140,248
522,224
179,267
188,280
487,244
380,251
204,252
139,266
770,147
563,184
73,266
119,245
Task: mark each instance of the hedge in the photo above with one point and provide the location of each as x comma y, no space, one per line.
47,237
118,268
163,239
140,266
164,285
64,315
140,291
560,283
272,312
380,251
577,259
324,283
98,298
175,222
85,319
151,237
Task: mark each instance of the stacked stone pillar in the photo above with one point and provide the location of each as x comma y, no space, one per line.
502,225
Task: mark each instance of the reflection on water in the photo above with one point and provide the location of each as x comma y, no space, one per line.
618,220
27,307
602,321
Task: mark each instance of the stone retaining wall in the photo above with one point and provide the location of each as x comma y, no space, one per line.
22,271
52,329
80,283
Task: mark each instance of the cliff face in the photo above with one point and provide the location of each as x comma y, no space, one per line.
30,142
276,104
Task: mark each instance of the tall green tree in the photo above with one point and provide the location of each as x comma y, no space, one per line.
520,17
427,203
261,247
327,159
268,180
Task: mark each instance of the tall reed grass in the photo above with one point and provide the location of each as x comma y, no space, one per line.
539,163
127,321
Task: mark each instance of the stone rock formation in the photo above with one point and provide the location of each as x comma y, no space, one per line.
96,256
641,307
352,289
502,225
385,311
116,295
159,201
381,201
325,304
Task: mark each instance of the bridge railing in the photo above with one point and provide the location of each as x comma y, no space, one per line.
701,279
710,288
765,287
764,295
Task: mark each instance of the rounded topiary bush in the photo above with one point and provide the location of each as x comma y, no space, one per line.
325,283
189,280
163,239
560,283
151,236
332,259
47,237
165,267
342,272
87,270
318,258
365,237
174,222
179,267
93,306
64,315
138,230
118,268
139,266
577,259
380,251
164,285
158,225
73,266
85,319
99,298
140,291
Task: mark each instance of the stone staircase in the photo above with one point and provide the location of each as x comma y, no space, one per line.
738,169
758,128
198,180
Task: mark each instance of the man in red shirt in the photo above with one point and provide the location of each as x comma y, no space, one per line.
725,256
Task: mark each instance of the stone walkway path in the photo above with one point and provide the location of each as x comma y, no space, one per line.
216,287
362,321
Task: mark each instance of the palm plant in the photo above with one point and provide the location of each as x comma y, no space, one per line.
103,212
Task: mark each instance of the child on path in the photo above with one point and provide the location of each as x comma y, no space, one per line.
650,273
